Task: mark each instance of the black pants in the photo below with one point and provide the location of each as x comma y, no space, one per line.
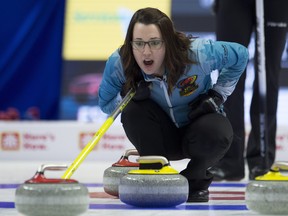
235,21
204,141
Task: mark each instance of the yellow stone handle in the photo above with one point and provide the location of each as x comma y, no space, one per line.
280,165
165,170
153,159
274,174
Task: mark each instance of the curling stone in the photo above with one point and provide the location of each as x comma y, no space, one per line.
113,174
154,184
268,194
51,197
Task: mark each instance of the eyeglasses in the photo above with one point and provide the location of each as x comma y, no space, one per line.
153,44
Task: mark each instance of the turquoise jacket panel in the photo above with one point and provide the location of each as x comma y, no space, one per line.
230,59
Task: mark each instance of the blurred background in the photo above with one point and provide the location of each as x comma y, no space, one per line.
52,55
52,52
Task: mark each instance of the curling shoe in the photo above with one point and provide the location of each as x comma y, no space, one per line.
257,171
198,196
223,175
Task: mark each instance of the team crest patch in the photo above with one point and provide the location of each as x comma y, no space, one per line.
187,86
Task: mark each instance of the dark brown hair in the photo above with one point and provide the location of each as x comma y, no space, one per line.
176,45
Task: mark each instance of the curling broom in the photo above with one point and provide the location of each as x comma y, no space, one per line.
97,136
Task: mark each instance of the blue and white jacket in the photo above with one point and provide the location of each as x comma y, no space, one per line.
230,59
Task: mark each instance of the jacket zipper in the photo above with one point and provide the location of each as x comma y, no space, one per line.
163,86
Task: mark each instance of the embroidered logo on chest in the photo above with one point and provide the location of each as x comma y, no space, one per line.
187,86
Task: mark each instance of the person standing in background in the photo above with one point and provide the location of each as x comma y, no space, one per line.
235,22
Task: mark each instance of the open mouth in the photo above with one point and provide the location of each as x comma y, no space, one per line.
150,62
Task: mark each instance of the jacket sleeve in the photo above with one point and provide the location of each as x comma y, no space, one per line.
230,59
112,81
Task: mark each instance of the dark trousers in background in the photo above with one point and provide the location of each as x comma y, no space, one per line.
236,21
204,141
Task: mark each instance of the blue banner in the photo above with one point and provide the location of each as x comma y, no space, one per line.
30,58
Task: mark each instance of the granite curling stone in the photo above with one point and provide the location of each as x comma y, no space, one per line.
268,194
154,184
113,174
51,197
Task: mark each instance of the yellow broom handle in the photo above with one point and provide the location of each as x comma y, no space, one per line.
94,141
